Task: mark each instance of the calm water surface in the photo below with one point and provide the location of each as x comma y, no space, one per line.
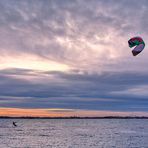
74,133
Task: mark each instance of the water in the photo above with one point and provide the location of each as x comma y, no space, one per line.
74,133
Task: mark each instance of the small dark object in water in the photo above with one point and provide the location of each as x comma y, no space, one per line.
14,123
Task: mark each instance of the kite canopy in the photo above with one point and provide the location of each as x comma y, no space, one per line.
138,43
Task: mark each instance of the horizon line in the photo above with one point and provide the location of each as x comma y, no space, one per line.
74,117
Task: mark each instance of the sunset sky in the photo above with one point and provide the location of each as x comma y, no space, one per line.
71,57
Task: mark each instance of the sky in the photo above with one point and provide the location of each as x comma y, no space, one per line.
71,58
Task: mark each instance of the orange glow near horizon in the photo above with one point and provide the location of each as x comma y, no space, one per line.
59,112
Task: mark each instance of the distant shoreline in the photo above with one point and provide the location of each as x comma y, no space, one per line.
73,117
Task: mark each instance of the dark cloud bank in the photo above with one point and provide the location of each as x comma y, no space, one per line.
73,90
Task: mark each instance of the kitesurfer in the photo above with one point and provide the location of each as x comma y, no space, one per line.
14,123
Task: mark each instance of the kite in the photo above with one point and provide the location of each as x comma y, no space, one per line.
138,43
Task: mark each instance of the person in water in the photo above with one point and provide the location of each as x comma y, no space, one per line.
14,123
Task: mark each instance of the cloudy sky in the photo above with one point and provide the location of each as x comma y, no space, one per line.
71,57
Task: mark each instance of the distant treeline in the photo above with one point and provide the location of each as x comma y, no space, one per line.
75,117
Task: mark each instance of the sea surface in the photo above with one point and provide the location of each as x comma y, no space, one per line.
74,133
